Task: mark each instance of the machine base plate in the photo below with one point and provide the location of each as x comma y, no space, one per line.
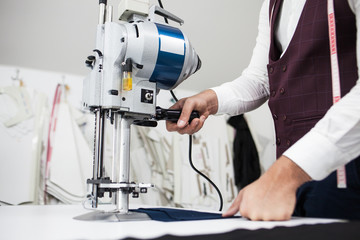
113,216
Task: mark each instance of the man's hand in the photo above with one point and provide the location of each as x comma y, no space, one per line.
272,196
205,103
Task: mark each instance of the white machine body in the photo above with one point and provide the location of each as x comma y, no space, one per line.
162,57
133,59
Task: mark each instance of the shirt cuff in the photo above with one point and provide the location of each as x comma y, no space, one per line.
227,101
316,155
220,93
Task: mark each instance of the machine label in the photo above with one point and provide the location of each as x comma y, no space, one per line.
172,45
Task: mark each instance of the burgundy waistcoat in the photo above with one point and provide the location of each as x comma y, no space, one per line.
300,81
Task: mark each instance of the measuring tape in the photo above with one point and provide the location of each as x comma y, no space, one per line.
335,75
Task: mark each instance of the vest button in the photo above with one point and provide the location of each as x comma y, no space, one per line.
288,142
284,68
278,141
275,116
284,117
271,69
273,93
282,91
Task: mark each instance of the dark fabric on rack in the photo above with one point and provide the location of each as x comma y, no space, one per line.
332,231
172,215
246,158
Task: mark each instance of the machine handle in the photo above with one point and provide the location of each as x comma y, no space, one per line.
163,13
173,115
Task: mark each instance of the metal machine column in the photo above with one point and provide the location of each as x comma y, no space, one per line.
122,159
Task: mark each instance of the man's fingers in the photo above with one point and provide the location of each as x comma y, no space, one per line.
186,110
200,123
190,128
173,126
179,104
181,123
187,106
234,208
231,211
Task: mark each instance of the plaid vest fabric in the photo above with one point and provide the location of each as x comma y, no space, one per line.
300,80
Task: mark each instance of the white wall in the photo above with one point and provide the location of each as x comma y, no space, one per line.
58,35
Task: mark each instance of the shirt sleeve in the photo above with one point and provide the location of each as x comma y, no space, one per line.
251,89
335,139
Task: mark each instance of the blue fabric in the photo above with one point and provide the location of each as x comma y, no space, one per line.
171,215
323,199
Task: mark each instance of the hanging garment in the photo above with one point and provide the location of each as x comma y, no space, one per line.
246,158
17,134
70,158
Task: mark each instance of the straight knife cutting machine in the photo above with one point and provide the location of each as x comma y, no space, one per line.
132,61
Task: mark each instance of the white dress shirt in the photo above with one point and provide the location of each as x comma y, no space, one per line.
335,140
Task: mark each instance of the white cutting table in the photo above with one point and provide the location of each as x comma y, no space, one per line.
56,222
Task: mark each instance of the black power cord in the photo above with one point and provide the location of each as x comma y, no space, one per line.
190,144
195,169
161,5
173,95
203,175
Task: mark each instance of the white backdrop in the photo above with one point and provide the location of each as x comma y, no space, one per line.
59,35
49,41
